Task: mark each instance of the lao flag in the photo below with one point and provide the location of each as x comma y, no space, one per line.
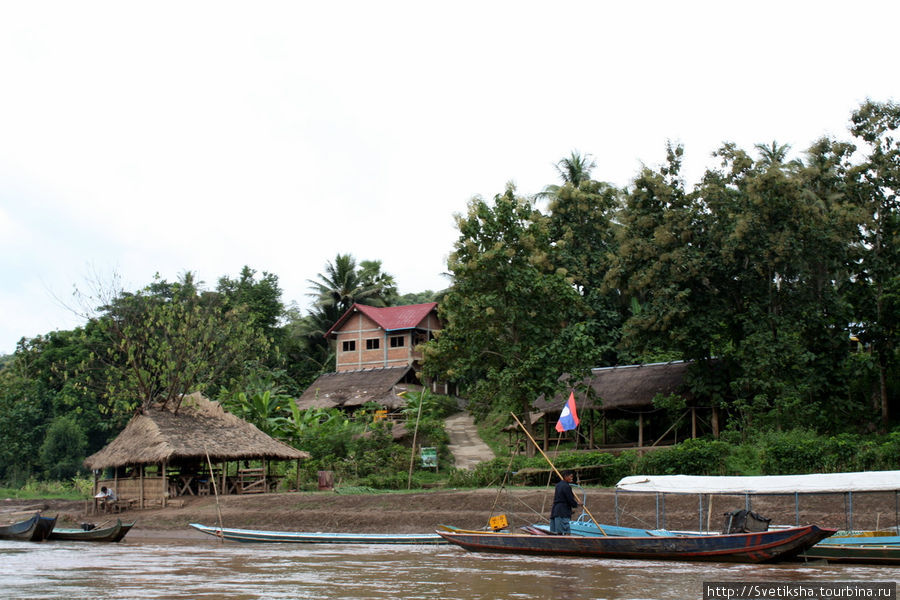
568,418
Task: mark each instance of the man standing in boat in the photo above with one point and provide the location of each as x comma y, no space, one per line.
563,503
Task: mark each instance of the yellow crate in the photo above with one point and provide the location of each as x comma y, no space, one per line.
498,522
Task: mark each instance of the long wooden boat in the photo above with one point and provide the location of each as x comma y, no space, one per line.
114,533
34,529
765,546
854,554
300,537
862,540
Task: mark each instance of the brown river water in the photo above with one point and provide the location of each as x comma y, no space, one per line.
161,568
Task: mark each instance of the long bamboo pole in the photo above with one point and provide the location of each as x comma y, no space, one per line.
412,454
555,470
212,478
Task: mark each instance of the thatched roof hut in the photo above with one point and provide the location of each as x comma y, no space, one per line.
201,428
630,387
623,390
350,389
161,454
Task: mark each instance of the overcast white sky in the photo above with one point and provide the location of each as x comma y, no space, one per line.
138,138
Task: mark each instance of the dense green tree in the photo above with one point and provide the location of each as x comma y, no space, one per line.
64,448
169,340
747,268
513,322
25,403
582,230
659,267
419,298
877,289
261,299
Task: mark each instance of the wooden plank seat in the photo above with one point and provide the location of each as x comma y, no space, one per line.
121,505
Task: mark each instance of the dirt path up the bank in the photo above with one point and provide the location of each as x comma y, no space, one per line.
466,445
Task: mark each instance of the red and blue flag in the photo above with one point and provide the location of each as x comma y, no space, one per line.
568,418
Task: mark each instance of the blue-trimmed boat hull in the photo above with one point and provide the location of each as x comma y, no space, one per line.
854,554
114,533
35,529
299,537
862,540
765,546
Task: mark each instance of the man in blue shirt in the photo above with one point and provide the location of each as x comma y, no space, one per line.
563,503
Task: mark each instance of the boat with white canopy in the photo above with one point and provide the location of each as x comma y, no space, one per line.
847,484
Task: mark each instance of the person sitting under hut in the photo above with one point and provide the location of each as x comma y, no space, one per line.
107,497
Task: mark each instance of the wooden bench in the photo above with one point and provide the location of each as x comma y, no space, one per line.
122,504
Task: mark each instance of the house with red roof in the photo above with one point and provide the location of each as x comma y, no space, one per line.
375,355
372,337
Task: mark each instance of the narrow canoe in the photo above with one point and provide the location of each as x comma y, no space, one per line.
113,533
863,540
300,537
765,546
854,554
34,529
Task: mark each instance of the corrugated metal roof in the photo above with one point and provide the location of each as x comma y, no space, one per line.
389,318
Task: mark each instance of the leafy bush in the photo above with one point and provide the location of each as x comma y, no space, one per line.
78,488
63,448
690,457
791,452
434,406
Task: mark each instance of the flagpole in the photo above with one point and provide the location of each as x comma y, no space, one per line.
555,470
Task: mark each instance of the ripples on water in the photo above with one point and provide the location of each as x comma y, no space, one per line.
178,569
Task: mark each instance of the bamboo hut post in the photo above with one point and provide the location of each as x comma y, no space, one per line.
693,422
603,428
165,485
297,477
640,430
94,493
141,476
591,430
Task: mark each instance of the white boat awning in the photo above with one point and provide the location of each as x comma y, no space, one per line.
867,481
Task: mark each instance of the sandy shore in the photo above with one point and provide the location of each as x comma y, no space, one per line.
423,511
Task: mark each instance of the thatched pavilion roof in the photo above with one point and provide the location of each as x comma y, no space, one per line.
625,387
348,389
200,428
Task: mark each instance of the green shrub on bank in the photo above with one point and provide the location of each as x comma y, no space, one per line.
690,457
77,488
775,453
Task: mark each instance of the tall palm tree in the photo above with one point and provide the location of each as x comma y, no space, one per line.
574,170
774,155
344,283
